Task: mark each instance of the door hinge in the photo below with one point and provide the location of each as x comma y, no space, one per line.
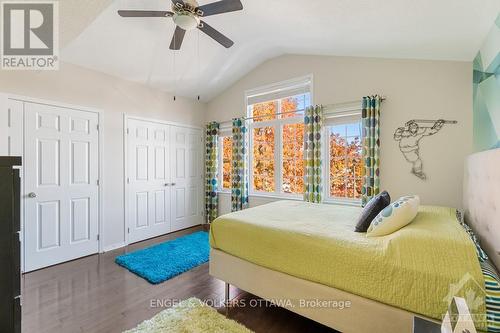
97,236
128,131
97,126
98,182
128,180
128,230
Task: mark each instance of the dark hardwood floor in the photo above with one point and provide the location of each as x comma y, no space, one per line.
94,294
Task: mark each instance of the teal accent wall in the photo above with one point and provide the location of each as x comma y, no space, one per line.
486,89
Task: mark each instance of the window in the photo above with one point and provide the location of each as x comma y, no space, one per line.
293,158
344,151
263,159
277,137
225,161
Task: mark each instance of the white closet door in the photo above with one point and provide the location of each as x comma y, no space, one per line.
186,178
61,174
148,180
15,127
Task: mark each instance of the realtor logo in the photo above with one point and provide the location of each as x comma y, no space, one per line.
30,35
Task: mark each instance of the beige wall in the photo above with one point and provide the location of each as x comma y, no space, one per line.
79,86
414,89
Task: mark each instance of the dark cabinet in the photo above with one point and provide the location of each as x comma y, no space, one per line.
10,246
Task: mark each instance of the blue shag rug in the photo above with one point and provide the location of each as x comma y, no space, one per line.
162,262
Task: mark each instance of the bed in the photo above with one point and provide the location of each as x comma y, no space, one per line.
299,255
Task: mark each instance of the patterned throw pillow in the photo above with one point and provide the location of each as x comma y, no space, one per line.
492,299
395,216
480,252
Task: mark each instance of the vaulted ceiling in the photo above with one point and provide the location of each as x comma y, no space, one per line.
137,49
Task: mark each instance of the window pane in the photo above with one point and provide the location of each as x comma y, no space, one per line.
293,154
354,147
345,160
338,167
264,111
353,129
263,159
294,103
350,187
340,130
337,187
337,145
227,149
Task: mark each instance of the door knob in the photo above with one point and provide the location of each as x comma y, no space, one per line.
173,184
32,195
167,184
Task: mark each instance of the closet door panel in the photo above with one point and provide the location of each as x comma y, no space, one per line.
186,171
148,190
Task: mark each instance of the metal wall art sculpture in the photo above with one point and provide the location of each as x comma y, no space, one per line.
409,138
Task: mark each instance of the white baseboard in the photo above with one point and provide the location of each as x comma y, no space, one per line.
113,247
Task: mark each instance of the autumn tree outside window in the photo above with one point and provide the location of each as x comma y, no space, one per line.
345,161
225,160
276,133
343,150
277,138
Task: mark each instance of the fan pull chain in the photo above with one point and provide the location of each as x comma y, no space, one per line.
198,66
175,76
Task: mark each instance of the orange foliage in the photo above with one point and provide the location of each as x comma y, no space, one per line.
263,159
263,151
293,158
345,166
264,111
345,154
227,154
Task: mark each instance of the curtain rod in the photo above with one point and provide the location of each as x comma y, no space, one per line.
327,106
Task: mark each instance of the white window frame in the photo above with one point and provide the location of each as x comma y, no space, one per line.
224,132
277,124
336,116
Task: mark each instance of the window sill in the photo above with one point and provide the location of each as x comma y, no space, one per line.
267,196
277,196
346,202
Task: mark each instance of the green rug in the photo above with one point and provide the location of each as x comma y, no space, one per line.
189,316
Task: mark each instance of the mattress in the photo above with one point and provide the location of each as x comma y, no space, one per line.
414,268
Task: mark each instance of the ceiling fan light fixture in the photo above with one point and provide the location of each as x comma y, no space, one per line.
186,21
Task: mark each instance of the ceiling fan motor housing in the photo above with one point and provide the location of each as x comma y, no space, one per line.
186,20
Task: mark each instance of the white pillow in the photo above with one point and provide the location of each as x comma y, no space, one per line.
395,216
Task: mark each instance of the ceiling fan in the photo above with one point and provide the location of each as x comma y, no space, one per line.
187,15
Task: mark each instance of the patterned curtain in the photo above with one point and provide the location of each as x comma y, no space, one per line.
239,172
313,121
371,147
211,201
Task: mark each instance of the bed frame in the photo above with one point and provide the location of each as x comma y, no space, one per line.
363,315
482,212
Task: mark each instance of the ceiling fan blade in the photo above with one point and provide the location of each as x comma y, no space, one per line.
178,3
177,39
220,7
223,40
144,13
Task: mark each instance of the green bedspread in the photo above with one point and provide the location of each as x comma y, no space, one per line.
412,269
